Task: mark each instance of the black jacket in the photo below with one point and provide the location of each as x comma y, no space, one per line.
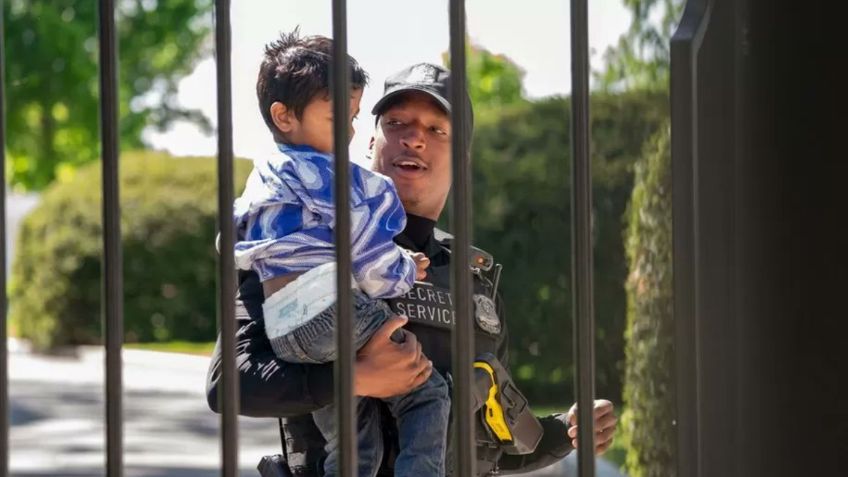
273,388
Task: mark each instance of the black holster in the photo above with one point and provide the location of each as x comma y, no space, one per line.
274,466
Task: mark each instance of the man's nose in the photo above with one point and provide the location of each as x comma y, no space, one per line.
413,138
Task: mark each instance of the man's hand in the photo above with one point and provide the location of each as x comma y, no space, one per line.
385,368
605,422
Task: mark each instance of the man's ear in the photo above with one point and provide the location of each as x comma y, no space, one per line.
283,117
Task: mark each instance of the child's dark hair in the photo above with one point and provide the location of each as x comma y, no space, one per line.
295,70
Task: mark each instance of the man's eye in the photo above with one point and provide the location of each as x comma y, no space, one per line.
439,131
393,122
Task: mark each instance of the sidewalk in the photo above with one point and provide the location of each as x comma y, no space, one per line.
57,418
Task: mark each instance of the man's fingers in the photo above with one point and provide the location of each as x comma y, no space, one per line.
389,327
571,416
419,359
421,377
603,430
603,440
602,407
601,448
605,422
422,367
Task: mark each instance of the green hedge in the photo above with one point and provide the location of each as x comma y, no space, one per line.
647,425
168,216
522,215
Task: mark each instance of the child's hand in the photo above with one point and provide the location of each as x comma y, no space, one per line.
421,262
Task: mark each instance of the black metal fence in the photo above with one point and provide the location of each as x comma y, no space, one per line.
4,356
461,225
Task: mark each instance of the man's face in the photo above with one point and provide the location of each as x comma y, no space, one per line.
412,145
315,126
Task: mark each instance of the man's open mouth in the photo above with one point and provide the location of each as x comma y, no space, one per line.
410,165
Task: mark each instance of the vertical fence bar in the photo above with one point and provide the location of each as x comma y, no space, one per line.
4,356
226,261
344,306
113,302
463,344
685,46
584,335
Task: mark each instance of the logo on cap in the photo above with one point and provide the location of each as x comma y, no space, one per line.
422,74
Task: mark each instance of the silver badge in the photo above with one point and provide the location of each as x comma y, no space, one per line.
486,315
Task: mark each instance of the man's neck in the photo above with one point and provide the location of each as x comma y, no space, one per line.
418,229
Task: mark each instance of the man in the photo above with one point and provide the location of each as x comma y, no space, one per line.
412,146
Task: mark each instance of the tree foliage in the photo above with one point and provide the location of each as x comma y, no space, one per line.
522,210
641,57
493,80
53,84
649,373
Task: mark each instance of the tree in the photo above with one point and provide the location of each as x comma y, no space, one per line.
640,60
53,86
521,202
493,80
647,423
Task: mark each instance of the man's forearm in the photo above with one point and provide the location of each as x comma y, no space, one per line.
554,446
270,387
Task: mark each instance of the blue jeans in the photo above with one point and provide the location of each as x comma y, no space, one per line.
422,414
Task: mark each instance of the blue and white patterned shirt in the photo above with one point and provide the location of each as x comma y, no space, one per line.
286,215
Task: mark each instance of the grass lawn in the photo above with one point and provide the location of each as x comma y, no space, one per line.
188,347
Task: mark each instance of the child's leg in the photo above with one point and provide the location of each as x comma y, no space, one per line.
369,437
314,341
422,421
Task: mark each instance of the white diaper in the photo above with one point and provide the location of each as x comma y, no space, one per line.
301,300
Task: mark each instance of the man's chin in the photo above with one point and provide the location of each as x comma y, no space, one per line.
411,202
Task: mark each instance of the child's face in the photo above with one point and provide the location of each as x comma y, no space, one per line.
315,127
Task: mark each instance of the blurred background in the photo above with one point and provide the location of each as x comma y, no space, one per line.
519,80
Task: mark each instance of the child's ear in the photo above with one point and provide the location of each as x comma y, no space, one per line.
283,117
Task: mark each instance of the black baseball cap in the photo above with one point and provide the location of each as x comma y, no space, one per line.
427,78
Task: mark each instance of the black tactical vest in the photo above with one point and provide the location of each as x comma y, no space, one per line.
428,307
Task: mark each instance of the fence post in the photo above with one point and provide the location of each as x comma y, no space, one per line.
4,356
226,261
345,411
581,272
113,286
463,336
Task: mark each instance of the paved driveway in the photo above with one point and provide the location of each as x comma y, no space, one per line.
57,411
57,418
